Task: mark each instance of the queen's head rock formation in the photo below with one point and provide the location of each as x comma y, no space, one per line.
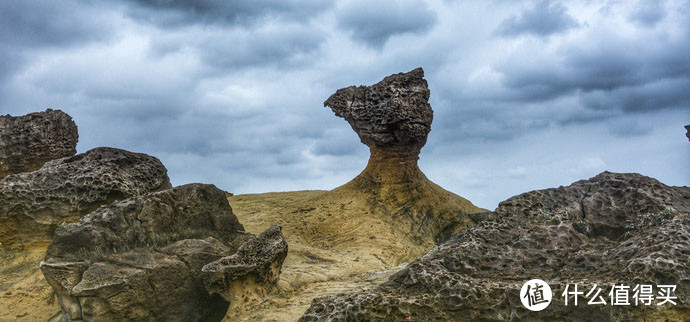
393,118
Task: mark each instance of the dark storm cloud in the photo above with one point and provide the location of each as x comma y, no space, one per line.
609,73
544,18
175,13
272,45
374,22
30,26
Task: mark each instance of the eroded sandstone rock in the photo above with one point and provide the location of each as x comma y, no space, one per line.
393,118
252,272
392,113
32,204
611,229
29,141
142,258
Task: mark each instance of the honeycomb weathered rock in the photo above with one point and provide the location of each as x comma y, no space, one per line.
32,204
611,229
29,141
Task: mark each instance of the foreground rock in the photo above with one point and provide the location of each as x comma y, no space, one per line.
141,258
251,273
29,141
393,118
611,229
33,204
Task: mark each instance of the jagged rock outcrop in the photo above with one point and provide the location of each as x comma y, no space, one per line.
252,272
687,131
142,258
611,229
393,118
29,141
33,204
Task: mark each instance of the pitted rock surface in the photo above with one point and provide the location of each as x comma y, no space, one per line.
611,229
254,269
33,204
392,113
29,141
141,258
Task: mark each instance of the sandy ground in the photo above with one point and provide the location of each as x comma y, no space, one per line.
338,241
335,245
24,294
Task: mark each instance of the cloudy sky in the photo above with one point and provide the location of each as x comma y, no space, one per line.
526,94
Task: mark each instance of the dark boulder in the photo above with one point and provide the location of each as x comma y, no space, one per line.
29,141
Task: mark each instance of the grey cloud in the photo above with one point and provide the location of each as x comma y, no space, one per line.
648,13
626,75
176,13
630,128
374,22
32,23
282,46
234,96
28,27
544,18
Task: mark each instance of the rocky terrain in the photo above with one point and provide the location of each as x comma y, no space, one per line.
175,255
60,186
610,229
32,204
102,235
29,141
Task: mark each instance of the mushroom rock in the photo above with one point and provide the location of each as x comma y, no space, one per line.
33,204
393,118
612,229
142,258
29,141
